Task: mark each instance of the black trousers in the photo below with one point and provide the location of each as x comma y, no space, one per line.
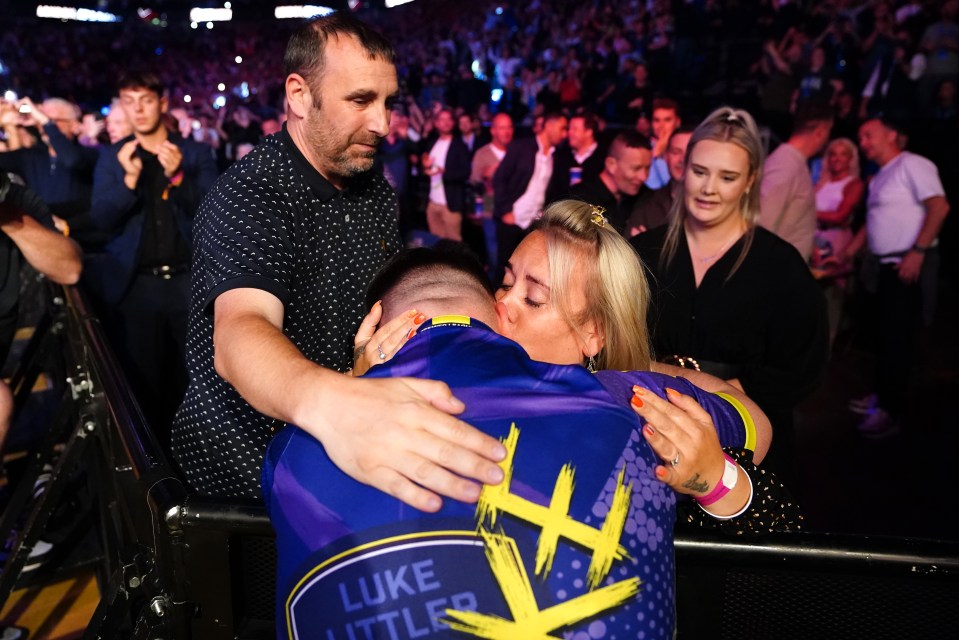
150,339
899,322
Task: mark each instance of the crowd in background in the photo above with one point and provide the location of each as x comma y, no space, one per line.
485,76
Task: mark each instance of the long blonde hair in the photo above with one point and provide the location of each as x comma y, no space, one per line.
617,295
725,124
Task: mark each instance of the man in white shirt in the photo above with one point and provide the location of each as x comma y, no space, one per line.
447,164
906,207
520,182
787,195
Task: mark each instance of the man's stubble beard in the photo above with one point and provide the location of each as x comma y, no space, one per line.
340,160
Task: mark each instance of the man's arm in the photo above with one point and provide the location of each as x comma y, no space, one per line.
937,208
395,435
113,198
72,156
52,254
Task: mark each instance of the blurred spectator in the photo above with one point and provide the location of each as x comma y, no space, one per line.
468,127
625,170
26,235
487,158
577,159
117,123
653,206
665,120
787,199
147,188
520,183
940,44
906,207
58,168
446,162
397,153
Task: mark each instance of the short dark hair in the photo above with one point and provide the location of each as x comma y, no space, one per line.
305,51
666,103
628,139
686,129
811,115
140,79
427,260
590,121
553,115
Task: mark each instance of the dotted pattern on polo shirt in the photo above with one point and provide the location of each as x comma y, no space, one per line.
262,226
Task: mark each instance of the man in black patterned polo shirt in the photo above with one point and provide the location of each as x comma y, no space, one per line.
286,244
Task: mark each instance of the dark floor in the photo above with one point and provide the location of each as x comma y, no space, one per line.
905,485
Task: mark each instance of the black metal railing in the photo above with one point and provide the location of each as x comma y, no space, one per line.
180,566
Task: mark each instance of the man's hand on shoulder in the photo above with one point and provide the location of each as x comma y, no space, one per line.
398,435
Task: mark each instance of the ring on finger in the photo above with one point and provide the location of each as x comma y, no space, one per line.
379,351
675,461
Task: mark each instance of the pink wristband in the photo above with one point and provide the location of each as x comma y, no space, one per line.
724,486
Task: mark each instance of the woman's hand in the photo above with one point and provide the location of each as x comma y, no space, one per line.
374,346
683,435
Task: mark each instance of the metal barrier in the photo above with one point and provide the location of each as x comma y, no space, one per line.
180,566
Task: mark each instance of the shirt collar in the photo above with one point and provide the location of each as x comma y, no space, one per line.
314,179
451,320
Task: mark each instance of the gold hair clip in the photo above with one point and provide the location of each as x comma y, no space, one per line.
596,215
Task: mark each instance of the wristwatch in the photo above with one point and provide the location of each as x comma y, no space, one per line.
726,484
918,248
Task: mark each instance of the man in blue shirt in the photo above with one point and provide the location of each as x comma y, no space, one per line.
577,538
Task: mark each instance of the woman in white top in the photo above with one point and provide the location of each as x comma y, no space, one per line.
838,194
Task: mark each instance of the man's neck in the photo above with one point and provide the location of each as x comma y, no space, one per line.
610,184
889,158
152,141
585,150
498,146
806,146
544,143
299,140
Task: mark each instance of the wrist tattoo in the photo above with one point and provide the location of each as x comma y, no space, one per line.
697,485
358,351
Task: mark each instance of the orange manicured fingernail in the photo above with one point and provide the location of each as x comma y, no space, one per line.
660,472
411,334
637,402
638,390
420,319
649,430
411,314
673,394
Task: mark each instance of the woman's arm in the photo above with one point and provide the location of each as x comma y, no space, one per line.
851,198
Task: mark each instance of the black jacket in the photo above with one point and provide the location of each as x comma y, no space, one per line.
456,173
513,174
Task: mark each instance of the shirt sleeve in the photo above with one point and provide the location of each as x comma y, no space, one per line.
924,178
734,425
244,235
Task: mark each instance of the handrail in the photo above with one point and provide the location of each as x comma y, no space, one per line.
178,560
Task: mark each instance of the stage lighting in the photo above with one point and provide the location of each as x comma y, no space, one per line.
210,15
72,13
395,3
301,11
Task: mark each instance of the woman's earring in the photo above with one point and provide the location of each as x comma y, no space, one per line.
591,365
